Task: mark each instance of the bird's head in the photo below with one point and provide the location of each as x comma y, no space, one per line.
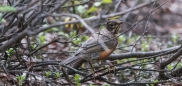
113,25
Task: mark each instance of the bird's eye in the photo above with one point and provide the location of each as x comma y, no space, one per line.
112,24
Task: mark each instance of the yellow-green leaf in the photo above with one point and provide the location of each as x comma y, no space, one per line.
7,9
92,9
76,2
106,1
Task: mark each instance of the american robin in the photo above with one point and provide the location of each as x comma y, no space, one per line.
92,49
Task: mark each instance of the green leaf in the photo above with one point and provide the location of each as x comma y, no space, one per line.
47,73
77,79
73,33
118,61
107,1
58,75
124,60
169,67
175,38
86,37
147,85
115,17
76,2
53,29
149,38
90,85
61,33
0,17
81,9
9,51
20,79
42,39
151,85
7,9
77,41
33,46
179,65
156,80
92,9
103,26
145,46
121,39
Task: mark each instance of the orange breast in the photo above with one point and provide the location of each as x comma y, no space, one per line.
105,54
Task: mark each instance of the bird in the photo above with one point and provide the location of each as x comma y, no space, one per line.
92,49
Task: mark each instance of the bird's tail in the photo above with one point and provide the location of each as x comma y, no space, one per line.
71,61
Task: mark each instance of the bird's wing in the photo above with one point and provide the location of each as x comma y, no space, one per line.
90,46
93,45
85,46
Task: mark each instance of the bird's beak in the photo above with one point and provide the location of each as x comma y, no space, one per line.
120,22
118,26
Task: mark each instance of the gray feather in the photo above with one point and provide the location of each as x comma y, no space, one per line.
71,61
90,49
